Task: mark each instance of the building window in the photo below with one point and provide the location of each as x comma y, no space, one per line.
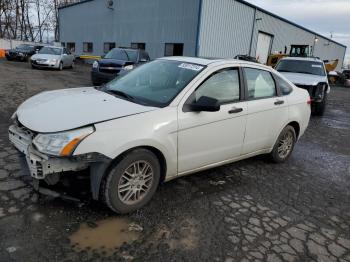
108,47
174,49
88,47
71,47
141,46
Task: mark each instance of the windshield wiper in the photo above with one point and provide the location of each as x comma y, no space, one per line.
120,93
287,71
307,73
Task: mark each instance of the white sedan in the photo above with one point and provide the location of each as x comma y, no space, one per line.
165,119
52,57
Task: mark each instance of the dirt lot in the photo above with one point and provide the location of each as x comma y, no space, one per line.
248,211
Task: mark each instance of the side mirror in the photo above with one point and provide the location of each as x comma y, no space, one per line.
205,104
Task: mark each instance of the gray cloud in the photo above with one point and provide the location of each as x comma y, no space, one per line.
322,16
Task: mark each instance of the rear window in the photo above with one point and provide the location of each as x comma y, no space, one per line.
303,67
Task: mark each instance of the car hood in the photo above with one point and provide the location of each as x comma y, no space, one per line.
45,56
20,50
67,109
304,79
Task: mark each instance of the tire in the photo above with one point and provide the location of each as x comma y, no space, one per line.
72,66
319,108
281,152
118,194
60,66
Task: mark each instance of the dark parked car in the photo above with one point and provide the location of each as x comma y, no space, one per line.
115,62
22,52
246,58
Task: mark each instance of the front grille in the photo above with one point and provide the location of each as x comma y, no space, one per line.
25,130
310,89
110,70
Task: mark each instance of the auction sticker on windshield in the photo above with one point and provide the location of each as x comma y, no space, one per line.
191,66
318,66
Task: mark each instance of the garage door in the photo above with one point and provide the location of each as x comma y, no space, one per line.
263,47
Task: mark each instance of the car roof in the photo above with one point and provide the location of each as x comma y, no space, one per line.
295,58
211,61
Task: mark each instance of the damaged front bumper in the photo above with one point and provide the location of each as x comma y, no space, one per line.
48,168
41,165
316,92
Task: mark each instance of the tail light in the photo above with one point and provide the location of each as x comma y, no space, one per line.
309,101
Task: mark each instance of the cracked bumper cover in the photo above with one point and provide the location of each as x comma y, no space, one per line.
41,166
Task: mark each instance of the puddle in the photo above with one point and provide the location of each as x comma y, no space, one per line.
104,236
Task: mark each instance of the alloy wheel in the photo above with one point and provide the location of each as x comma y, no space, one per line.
285,145
135,183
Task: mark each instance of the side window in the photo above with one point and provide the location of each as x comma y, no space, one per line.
223,85
260,83
285,88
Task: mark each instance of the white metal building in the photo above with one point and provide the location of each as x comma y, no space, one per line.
208,28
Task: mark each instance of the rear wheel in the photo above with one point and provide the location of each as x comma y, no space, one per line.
132,182
60,66
284,145
319,108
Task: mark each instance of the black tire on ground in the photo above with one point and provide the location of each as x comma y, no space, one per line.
319,108
9,59
110,188
60,66
72,66
282,150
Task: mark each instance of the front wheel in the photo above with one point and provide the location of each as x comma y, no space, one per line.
60,66
132,182
284,145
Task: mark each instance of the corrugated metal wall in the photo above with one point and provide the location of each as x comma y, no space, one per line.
226,29
154,22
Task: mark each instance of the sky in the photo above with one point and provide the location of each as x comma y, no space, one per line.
321,16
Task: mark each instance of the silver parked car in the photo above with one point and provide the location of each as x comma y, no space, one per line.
53,57
308,73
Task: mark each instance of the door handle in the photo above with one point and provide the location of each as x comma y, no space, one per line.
279,102
235,110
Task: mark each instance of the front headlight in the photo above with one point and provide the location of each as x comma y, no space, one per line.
63,143
95,64
129,67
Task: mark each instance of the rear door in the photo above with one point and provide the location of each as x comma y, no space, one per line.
267,110
206,138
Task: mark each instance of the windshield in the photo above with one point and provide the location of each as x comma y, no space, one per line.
50,51
121,54
299,66
156,83
25,47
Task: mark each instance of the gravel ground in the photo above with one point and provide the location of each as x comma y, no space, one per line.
248,211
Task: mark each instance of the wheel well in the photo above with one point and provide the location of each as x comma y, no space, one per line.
158,153
296,127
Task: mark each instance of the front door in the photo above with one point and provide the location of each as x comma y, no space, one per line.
206,138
